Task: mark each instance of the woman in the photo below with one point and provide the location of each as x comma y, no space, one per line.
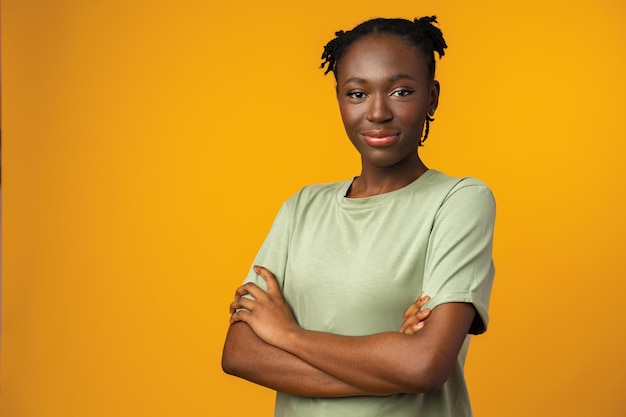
318,317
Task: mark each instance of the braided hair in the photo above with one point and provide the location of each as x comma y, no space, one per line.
421,33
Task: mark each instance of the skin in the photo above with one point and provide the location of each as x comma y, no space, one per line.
379,94
384,93
249,357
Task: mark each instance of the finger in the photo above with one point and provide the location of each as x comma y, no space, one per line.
241,290
409,322
241,315
418,317
243,302
410,312
406,326
249,288
412,329
268,277
421,302
416,306
414,319
403,328
415,328
418,326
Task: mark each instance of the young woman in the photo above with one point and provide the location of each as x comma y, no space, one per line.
318,317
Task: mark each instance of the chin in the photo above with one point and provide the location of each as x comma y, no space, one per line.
383,159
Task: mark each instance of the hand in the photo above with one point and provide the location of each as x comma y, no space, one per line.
414,318
268,314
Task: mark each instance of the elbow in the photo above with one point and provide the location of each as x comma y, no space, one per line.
231,360
434,377
239,350
428,378
228,365
425,385
231,364
432,386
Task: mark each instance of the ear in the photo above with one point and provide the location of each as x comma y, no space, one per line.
433,100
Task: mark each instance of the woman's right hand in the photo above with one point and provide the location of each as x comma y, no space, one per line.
414,318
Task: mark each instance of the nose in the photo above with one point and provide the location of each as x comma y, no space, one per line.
379,110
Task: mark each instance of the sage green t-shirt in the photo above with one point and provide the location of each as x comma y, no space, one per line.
352,266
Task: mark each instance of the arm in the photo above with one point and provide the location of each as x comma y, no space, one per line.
389,363
384,363
458,272
247,356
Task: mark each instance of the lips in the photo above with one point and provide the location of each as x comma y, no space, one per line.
380,137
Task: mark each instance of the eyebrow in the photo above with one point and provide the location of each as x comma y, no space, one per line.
401,77
395,77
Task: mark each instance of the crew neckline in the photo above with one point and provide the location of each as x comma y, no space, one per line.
375,200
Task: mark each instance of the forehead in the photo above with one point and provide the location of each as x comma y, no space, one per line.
381,55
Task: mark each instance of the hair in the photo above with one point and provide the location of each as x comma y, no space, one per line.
420,33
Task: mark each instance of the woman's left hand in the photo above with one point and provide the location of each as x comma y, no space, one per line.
415,317
268,313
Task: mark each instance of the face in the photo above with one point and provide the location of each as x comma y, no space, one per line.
384,93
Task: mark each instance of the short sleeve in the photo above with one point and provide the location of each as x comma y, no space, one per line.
459,265
274,250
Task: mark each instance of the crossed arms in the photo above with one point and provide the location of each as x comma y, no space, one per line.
265,345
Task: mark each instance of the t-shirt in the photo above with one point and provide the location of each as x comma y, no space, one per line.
352,266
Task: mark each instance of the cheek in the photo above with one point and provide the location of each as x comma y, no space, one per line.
412,116
348,116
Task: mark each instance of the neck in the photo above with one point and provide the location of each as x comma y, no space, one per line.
380,180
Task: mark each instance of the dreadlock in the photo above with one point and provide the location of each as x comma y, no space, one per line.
421,33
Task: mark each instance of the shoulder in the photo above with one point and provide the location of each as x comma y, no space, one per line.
440,180
460,187
439,191
461,198
317,194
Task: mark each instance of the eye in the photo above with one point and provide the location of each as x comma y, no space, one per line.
403,92
356,95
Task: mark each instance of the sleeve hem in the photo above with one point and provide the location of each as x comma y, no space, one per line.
481,320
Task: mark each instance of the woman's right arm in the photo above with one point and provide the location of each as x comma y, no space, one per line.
248,357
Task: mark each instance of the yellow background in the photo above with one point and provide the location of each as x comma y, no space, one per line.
148,145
